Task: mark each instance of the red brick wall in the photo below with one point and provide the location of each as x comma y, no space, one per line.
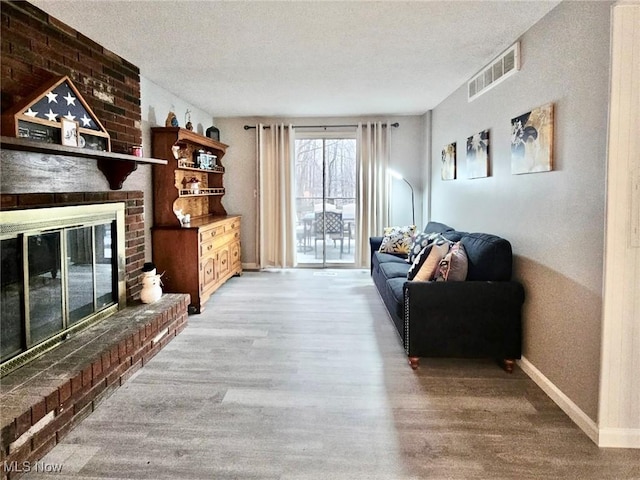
134,222
37,48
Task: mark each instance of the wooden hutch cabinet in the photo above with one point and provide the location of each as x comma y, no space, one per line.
197,256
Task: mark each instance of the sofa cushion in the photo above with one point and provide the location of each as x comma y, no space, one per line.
436,227
428,270
395,286
379,258
453,235
453,267
418,261
394,269
398,239
489,257
420,241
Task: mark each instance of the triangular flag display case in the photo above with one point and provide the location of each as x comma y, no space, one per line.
40,118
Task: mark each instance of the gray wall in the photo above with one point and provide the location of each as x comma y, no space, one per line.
554,220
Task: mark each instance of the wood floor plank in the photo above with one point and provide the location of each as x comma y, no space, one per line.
300,374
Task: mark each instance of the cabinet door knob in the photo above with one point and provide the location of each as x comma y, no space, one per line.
209,247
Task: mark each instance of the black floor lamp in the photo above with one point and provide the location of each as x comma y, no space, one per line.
395,174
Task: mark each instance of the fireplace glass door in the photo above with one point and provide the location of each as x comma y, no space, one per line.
45,286
55,280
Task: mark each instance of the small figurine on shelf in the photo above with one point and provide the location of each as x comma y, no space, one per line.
192,184
172,120
187,120
213,133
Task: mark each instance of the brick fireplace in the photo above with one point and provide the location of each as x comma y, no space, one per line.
43,400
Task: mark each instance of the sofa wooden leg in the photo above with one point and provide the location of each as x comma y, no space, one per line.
508,364
414,361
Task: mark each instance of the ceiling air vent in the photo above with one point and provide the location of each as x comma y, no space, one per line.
505,65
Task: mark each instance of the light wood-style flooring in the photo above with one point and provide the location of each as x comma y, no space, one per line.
299,374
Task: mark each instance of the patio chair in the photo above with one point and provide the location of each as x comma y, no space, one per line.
329,224
303,234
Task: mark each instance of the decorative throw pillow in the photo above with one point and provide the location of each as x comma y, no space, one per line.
398,240
418,261
420,241
438,251
453,267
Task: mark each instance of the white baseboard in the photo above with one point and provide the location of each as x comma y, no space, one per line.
250,267
619,437
603,437
586,424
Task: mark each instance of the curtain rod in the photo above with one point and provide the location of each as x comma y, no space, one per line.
250,127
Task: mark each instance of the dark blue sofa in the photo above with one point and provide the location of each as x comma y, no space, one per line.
479,317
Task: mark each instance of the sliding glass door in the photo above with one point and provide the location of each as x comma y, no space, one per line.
325,190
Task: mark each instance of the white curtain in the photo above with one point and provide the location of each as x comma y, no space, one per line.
372,201
276,205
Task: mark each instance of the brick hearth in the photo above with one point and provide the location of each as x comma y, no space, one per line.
44,400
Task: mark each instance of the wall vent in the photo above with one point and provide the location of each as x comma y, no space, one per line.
502,67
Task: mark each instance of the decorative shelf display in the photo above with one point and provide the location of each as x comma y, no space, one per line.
195,242
185,164
201,192
184,185
57,114
116,167
56,120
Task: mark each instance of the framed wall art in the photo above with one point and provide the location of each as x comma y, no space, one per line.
532,141
478,155
448,168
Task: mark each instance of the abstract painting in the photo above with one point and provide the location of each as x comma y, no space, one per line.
532,141
478,155
449,162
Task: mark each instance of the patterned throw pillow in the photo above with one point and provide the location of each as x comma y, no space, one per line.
420,241
453,267
418,261
398,240
430,265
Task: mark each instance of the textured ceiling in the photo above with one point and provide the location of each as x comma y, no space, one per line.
293,58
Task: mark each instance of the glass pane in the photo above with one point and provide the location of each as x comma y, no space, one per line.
106,272
308,192
11,305
340,196
80,271
45,287
335,159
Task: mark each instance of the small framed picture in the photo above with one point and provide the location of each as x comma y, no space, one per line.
448,168
69,132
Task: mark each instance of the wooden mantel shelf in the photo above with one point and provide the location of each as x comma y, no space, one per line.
115,166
